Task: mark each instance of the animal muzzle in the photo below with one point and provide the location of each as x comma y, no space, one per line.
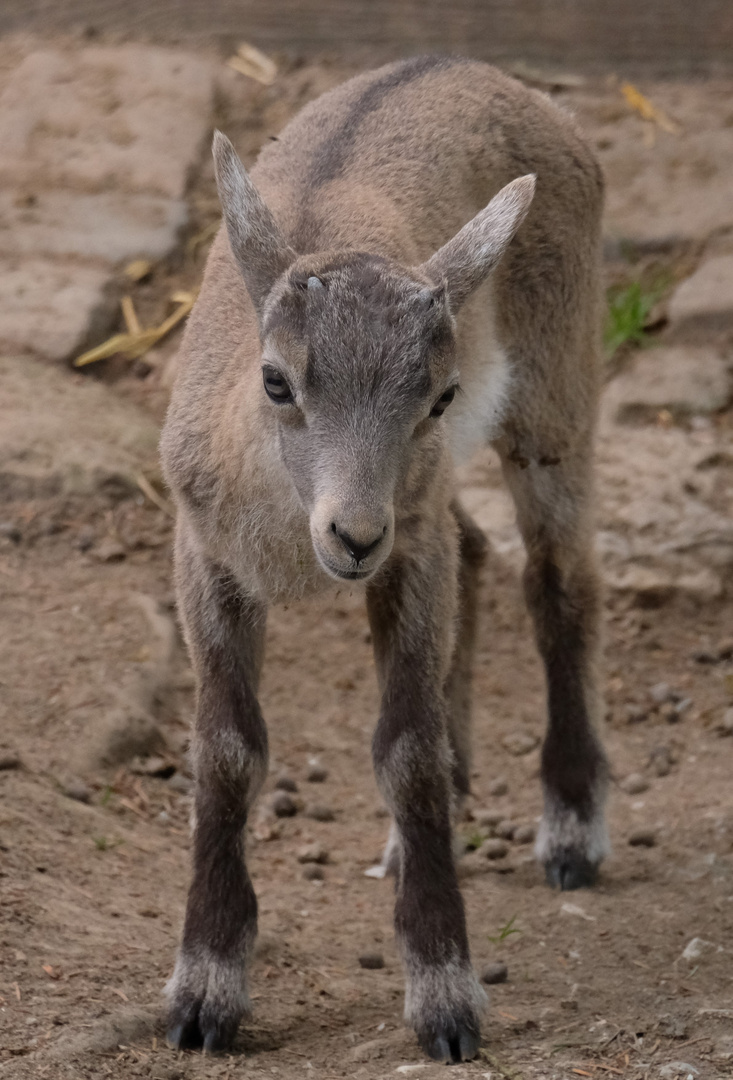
352,545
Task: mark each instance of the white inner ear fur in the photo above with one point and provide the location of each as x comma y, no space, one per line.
467,260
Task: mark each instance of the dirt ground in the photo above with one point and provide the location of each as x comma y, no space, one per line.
97,695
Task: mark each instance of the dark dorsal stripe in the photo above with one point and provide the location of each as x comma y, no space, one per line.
333,154
331,157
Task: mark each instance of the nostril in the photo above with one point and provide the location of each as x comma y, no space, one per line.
358,551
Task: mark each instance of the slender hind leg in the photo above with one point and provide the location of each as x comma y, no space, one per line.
561,584
473,546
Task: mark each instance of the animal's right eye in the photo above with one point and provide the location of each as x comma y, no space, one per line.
276,386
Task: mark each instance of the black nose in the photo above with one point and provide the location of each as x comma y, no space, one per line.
356,550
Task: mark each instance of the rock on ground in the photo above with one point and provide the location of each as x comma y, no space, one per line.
705,299
682,381
98,143
63,436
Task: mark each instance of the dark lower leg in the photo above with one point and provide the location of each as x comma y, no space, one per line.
564,600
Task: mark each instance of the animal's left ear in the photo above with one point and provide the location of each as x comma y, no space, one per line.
468,259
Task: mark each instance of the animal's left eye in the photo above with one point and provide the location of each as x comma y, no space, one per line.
276,386
443,402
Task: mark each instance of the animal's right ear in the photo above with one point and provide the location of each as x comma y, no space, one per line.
258,245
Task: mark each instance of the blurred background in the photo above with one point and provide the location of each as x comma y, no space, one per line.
107,212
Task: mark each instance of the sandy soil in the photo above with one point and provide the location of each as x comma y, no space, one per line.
94,857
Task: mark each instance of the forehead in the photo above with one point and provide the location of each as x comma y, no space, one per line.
368,324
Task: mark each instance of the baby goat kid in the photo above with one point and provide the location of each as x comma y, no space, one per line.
411,271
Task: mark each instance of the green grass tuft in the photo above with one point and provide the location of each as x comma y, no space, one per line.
505,932
628,309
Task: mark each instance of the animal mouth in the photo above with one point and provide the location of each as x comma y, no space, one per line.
343,575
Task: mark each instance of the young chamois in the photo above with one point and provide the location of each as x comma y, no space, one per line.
411,271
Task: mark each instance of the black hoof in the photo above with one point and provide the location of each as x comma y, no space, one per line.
569,870
451,1047
196,1032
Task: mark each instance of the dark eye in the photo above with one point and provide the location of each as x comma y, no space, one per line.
443,402
276,386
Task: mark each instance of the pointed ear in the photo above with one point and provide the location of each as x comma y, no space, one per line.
258,245
468,259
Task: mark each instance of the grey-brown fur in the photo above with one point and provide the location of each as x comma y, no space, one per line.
387,248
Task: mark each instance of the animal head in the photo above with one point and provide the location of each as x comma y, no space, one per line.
358,360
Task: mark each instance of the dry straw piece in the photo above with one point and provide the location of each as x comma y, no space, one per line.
643,106
253,63
136,342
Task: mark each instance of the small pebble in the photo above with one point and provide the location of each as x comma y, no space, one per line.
724,649
10,531
635,714
494,849
84,538
726,724
180,783
525,834
9,760
505,830
371,960
488,818
313,872
669,713
78,790
286,783
519,743
660,760
661,692
109,551
498,787
318,812
643,838
283,804
312,853
634,784
494,973
316,774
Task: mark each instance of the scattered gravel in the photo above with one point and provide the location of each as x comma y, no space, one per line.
313,872
494,973
661,692
660,760
180,783
10,531
316,774
9,759
505,830
643,838
313,853
494,848
319,812
283,805
726,724
488,819
285,782
634,784
109,551
372,961
498,787
519,743
76,789
525,834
